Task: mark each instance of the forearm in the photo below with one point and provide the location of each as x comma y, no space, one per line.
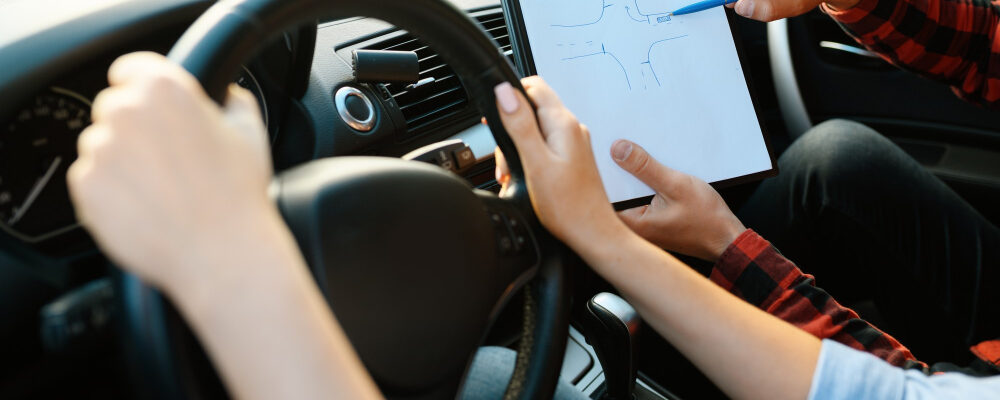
950,41
748,353
268,329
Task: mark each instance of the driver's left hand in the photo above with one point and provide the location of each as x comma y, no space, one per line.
164,168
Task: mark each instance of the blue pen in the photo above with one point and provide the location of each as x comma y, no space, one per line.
701,6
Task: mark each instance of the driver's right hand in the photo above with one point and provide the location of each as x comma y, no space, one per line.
559,166
686,215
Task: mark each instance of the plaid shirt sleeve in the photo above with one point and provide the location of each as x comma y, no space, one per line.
752,269
954,41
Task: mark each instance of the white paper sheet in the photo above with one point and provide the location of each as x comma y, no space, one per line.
674,85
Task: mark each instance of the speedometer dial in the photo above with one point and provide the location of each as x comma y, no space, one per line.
36,148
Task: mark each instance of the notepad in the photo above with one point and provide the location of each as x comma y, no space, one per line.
630,70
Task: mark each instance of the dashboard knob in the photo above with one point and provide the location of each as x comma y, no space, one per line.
355,108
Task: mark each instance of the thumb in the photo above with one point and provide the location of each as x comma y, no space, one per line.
242,111
760,10
241,103
243,114
634,159
502,170
632,216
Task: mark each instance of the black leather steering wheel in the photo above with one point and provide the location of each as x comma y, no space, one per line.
414,262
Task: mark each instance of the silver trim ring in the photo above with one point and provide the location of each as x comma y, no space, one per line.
340,100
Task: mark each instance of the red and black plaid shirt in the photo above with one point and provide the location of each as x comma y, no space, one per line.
755,271
953,41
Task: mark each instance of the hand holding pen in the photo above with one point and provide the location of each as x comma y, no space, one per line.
766,10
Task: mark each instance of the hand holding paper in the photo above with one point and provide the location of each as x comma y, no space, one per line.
630,69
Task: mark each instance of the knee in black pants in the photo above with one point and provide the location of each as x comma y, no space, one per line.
841,153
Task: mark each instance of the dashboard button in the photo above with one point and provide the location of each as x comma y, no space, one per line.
465,157
355,109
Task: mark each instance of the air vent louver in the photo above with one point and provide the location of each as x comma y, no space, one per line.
495,25
442,101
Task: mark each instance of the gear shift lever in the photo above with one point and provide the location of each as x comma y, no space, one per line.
611,326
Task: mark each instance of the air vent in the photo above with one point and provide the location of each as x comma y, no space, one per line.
495,25
444,100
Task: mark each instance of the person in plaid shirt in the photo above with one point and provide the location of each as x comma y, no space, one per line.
952,41
858,212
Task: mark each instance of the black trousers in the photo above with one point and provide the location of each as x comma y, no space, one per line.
855,211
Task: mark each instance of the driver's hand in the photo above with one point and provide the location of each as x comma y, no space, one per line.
686,214
770,10
563,183
167,182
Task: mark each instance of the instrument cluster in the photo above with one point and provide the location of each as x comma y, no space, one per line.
38,144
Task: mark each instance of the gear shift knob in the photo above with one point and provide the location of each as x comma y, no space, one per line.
611,326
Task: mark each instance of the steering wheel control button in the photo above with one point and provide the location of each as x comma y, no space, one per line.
453,155
511,234
355,109
520,232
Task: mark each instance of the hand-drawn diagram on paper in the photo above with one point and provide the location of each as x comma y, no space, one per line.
613,29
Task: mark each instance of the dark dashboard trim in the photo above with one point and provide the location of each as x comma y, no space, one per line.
31,63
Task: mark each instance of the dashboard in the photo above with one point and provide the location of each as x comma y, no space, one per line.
45,112
38,145
53,67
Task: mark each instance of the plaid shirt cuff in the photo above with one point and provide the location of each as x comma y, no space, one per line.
754,270
853,15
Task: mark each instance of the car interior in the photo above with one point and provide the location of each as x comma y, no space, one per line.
74,326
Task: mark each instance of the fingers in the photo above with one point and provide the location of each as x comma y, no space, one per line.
154,78
541,93
142,78
76,179
553,116
129,66
762,10
634,159
242,112
745,8
109,101
145,64
242,109
502,170
519,120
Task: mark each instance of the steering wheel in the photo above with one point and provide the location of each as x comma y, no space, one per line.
414,262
